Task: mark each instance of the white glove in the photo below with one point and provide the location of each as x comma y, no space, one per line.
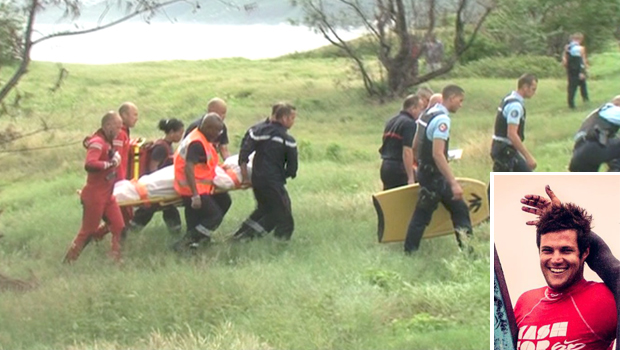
116,159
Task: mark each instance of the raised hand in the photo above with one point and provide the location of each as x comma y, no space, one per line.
536,204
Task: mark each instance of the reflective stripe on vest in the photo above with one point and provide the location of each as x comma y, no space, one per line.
204,173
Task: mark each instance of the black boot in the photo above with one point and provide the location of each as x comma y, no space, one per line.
244,232
191,240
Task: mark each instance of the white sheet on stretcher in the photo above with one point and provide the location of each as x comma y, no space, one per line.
161,182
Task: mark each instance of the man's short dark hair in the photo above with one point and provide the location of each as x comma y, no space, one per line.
410,101
526,79
283,110
451,90
275,107
567,216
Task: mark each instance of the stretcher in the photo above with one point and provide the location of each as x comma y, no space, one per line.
157,188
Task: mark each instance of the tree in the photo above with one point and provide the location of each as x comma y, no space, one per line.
542,27
395,29
16,41
10,38
30,8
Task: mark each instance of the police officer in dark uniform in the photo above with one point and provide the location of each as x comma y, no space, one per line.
508,152
275,160
434,174
396,150
432,101
576,63
596,142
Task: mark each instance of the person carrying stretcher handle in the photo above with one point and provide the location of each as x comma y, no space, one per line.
275,161
97,200
128,113
243,167
601,260
194,170
160,155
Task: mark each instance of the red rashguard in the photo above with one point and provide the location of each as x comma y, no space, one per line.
583,317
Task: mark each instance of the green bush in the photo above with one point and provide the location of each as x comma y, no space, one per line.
483,47
334,152
510,67
306,150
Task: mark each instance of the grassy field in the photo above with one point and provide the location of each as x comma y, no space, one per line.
331,287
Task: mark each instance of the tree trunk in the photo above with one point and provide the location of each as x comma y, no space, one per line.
398,49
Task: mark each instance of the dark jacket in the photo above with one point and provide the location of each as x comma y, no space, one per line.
275,159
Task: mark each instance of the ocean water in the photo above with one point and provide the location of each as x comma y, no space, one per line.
137,42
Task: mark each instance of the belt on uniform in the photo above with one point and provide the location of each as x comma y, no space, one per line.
502,139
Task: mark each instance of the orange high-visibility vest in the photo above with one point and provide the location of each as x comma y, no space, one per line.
204,173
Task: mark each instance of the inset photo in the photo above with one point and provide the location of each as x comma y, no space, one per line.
556,267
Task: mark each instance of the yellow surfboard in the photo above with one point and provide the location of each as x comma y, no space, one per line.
395,208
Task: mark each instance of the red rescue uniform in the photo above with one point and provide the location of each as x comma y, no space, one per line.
121,144
97,199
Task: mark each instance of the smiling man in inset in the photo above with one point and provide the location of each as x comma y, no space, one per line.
570,313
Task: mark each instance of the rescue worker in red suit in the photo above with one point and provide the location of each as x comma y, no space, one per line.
129,115
194,170
102,163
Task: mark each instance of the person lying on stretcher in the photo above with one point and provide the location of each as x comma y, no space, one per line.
158,186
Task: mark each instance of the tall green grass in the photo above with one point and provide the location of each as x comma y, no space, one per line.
331,287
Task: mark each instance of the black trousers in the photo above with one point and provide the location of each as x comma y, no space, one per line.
573,83
393,174
614,165
507,159
589,155
435,189
210,215
143,215
273,212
